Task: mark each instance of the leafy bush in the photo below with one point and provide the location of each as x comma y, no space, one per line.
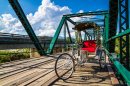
7,55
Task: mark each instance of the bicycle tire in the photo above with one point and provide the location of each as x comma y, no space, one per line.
64,66
102,59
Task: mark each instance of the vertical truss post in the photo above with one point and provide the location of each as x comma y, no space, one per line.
19,12
85,37
91,37
107,29
68,31
104,34
64,36
56,36
93,34
104,37
80,36
124,25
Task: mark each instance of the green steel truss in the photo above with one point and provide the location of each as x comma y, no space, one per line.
113,15
65,35
109,36
109,32
64,20
68,31
56,35
19,12
123,26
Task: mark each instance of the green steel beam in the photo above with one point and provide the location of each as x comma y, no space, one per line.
68,31
85,37
123,26
87,13
80,36
71,21
124,33
19,12
93,34
107,29
87,34
56,35
121,69
104,37
64,36
113,15
95,21
127,37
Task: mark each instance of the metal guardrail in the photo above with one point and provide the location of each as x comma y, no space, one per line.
121,69
119,35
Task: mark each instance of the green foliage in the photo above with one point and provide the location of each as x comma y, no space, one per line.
11,55
4,58
117,45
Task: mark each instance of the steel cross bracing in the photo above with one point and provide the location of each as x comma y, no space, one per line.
113,15
19,12
124,25
66,18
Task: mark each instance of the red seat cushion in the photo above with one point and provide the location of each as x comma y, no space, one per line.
89,46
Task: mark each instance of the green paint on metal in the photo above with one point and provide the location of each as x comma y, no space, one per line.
68,31
71,21
91,38
87,13
124,25
107,29
121,69
124,33
113,15
85,36
19,12
56,36
64,36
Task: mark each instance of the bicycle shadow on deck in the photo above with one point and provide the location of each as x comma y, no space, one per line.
87,75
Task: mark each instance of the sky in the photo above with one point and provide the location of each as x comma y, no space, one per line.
45,15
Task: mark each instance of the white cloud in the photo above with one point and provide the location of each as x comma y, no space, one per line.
46,19
8,24
98,9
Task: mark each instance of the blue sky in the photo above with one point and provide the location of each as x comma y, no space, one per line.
45,15
30,6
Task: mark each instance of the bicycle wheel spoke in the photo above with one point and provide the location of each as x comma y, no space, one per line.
64,66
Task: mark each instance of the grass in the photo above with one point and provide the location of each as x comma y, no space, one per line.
11,55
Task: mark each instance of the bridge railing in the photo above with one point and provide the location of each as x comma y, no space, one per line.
121,69
16,38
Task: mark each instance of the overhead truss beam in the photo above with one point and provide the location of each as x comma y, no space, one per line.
87,13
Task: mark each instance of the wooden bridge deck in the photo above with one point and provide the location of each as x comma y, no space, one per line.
40,72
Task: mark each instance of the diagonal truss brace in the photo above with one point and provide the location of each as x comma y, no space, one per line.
19,12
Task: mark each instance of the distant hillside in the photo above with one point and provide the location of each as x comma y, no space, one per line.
60,38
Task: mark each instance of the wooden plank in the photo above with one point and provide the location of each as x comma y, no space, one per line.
88,75
17,65
114,80
28,75
25,68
